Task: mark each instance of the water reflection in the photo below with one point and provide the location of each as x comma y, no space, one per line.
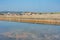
28,31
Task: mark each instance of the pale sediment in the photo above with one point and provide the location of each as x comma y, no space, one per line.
29,20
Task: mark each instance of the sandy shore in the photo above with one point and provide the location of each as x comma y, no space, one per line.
34,19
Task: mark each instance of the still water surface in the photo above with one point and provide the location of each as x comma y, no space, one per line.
29,31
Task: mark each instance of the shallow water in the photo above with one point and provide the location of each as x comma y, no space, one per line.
29,31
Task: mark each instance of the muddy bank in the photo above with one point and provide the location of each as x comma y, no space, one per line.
40,21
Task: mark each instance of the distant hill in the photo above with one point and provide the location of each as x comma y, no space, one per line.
16,12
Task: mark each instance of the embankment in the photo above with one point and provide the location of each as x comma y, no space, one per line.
40,21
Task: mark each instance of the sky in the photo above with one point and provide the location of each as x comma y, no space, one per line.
30,5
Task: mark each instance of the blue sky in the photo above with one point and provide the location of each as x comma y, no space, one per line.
30,5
